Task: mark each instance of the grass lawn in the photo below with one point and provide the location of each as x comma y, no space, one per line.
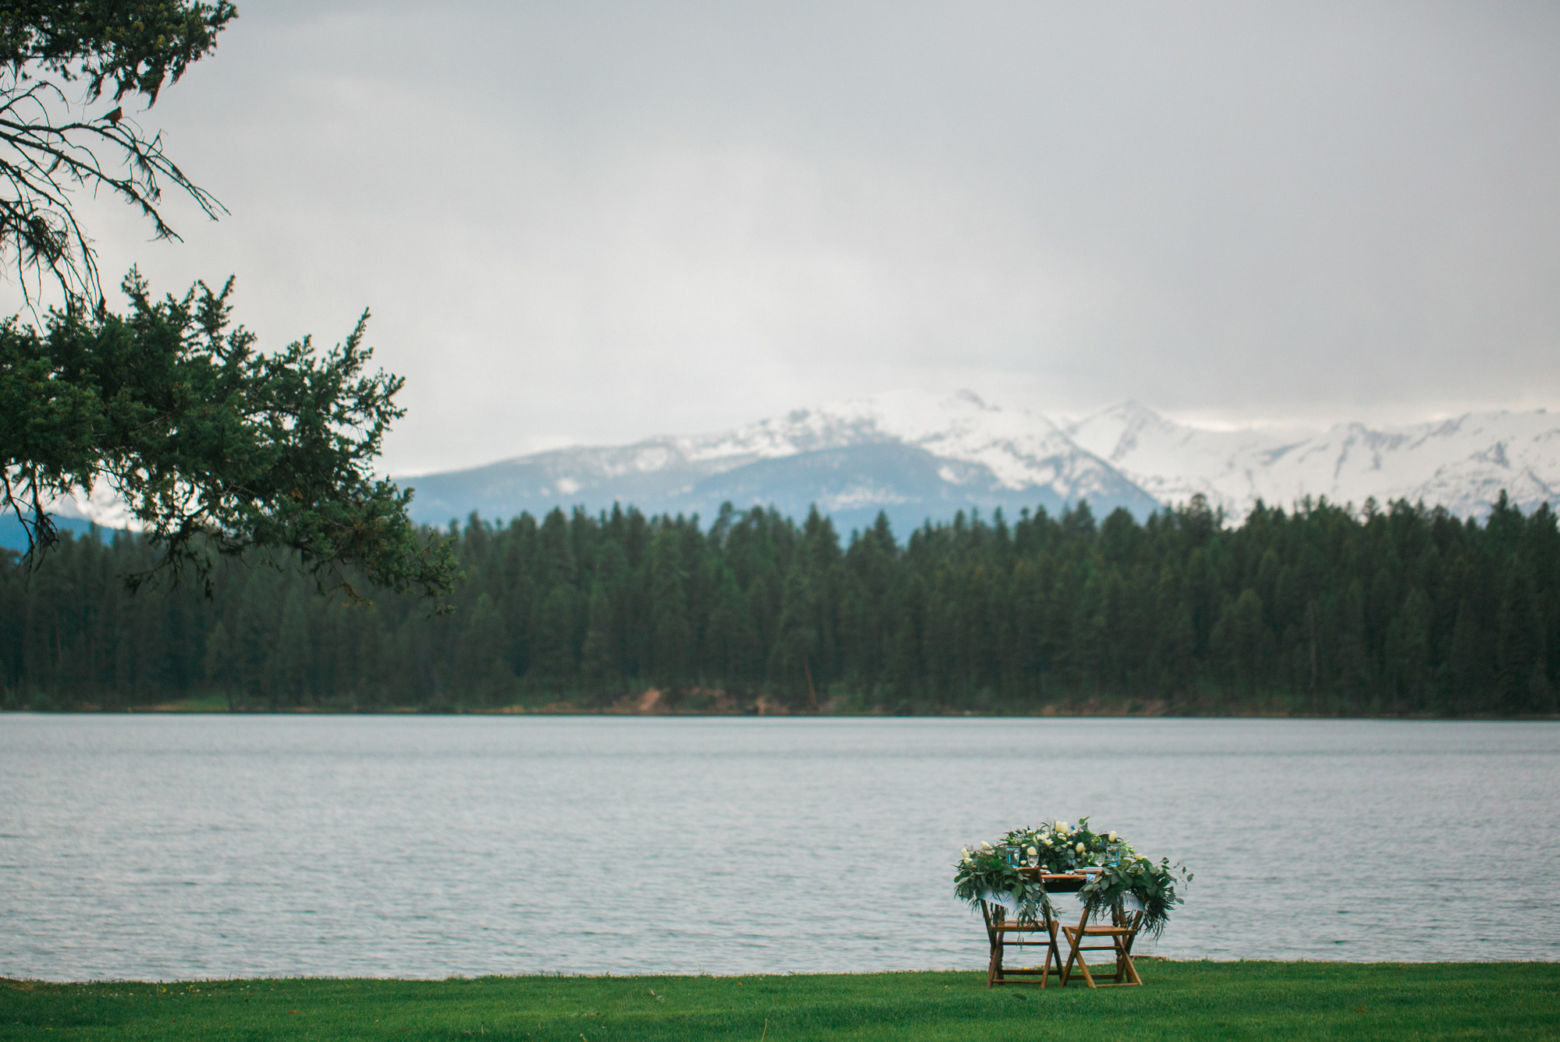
1179,1000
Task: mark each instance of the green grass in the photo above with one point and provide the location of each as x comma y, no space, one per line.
1180,1000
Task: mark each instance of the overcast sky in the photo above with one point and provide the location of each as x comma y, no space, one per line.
591,222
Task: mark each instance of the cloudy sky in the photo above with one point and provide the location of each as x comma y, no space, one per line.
591,222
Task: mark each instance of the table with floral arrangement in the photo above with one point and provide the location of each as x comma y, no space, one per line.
1011,881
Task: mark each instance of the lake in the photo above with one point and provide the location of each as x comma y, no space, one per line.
173,847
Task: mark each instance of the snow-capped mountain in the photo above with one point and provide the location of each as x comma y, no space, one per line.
1462,464
918,456
911,455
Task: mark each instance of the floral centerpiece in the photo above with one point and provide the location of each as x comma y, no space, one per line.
1117,873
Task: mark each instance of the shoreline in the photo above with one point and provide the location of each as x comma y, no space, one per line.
1150,961
1049,713
563,708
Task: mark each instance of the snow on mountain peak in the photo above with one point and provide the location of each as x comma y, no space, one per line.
1460,463
937,452
1346,463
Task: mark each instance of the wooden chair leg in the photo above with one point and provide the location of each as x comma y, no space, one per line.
1124,963
1075,935
1053,956
1122,932
1132,921
1002,933
993,918
1083,965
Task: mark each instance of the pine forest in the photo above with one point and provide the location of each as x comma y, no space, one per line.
1322,611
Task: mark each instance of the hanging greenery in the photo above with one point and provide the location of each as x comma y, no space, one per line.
1137,879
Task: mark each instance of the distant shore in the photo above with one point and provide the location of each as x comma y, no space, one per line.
654,702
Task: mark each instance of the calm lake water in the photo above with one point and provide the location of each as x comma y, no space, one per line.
161,847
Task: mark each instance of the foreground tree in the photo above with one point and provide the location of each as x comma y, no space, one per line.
58,60
213,446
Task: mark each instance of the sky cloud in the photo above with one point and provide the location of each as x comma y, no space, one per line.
594,222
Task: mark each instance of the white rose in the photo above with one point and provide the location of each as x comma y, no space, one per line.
1111,836
1046,840
1031,851
965,853
1079,848
1061,826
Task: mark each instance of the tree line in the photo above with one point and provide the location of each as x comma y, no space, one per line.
1320,610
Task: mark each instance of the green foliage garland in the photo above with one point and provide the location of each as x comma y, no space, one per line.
1152,886
993,869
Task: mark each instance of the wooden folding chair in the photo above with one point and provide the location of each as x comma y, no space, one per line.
1116,938
1004,932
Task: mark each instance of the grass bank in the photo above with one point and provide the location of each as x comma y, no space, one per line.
1180,1000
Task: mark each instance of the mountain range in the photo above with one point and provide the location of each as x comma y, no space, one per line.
917,456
